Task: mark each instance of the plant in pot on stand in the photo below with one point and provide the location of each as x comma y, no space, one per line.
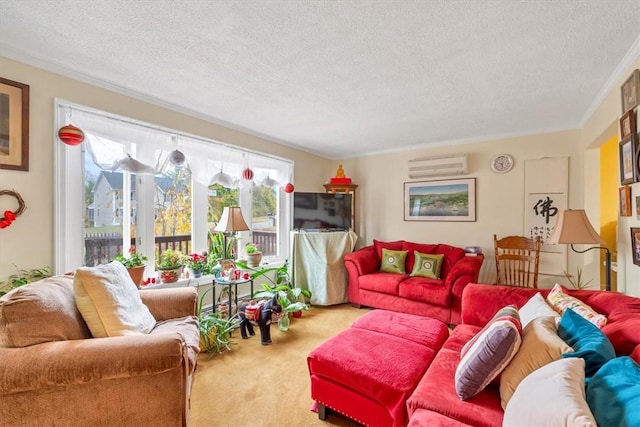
289,299
135,264
196,264
170,265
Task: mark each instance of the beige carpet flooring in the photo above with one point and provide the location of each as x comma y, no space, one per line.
263,386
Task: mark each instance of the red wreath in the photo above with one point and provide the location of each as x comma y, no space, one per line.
10,216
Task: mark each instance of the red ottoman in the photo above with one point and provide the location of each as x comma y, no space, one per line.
368,371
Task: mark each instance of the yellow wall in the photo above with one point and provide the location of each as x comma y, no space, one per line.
609,202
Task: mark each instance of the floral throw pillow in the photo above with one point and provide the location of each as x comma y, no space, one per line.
393,261
427,265
561,301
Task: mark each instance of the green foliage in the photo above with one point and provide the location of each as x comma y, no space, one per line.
134,260
217,250
251,248
174,210
219,198
281,273
171,259
23,277
288,297
264,201
215,331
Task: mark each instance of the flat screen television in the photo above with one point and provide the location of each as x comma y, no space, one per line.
321,211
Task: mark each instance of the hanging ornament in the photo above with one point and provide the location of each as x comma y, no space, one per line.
177,158
247,174
289,188
71,135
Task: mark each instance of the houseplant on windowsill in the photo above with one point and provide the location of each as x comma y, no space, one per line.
254,255
196,264
170,265
135,264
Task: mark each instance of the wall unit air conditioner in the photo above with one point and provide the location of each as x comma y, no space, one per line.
438,166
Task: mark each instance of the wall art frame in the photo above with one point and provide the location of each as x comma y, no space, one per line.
14,125
624,201
628,160
630,91
440,200
635,245
627,124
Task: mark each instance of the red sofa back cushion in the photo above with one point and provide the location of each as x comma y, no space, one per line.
392,246
410,247
480,302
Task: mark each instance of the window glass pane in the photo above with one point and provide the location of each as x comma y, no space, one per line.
265,219
172,210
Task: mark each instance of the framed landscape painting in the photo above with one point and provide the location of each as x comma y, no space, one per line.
444,200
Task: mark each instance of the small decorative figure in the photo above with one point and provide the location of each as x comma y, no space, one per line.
259,313
340,172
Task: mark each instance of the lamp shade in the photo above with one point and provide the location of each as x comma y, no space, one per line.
231,220
573,226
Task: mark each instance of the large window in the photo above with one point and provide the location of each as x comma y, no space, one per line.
126,185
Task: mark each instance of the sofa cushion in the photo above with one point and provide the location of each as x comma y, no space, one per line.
393,261
537,306
427,265
561,301
587,340
49,304
452,255
393,246
386,283
485,356
540,346
551,396
411,247
422,289
110,302
613,394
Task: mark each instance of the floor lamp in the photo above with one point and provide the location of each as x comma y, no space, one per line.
573,227
230,222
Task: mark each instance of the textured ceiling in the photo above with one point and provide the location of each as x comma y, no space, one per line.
342,78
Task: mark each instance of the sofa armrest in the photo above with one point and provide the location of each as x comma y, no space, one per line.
364,260
463,272
170,303
68,363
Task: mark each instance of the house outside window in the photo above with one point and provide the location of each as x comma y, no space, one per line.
171,205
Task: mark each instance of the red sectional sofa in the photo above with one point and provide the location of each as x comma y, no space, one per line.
343,382
436,298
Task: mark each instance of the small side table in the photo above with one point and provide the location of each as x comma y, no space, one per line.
234,283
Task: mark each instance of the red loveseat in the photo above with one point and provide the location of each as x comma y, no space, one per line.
434,401
436,298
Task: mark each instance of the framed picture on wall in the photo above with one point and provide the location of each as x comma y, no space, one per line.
635,244
628,160
625,200
630,91
445,200
627,124
14,125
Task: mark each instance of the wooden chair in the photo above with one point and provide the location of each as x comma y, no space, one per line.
517,260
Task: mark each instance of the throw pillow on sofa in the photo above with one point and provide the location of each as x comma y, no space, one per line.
560,301
551,396
537,306
427,265
485,356
587,340
393,261
541,345
110,302
613,394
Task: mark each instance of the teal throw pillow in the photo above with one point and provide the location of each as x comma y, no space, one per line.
393,261
587,341
427,265
613,393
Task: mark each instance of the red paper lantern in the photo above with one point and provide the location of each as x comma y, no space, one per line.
247,174
289,188
71,135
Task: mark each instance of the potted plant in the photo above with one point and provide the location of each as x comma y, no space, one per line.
23,277
135,264
254,255
170,265
196,264
218,250
289,299
215,329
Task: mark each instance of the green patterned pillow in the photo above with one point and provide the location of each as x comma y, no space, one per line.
427,265
393,261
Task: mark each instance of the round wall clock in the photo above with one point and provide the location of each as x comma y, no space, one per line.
502,163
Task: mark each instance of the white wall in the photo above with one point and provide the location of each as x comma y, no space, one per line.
28,242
